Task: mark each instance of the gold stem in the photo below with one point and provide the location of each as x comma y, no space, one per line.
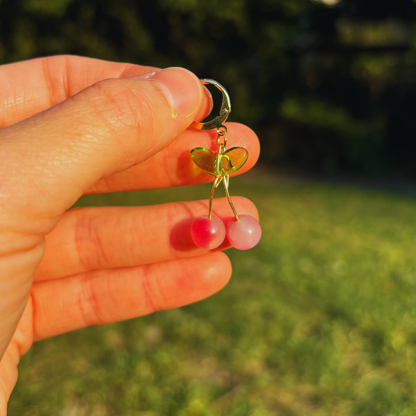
229,200
211,197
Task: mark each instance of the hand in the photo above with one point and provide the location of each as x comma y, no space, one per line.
72,126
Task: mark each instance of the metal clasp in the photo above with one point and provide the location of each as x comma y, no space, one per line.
225,109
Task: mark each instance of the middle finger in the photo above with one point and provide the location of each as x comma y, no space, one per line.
173,166
95,238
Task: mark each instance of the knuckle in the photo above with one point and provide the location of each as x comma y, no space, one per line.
119,106
89,304
152,291
88,242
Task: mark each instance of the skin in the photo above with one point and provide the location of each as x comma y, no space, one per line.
72,126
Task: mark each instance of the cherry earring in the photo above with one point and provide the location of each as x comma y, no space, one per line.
208,232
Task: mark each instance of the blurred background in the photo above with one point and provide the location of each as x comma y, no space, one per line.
320,318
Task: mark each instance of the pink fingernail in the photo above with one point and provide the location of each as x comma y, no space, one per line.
181,88
146,76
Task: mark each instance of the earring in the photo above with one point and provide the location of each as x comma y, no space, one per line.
208,232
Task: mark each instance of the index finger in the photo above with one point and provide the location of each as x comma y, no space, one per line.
29,87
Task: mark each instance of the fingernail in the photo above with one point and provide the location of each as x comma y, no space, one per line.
146,76
181,89
206,107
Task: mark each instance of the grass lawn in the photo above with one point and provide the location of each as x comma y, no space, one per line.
319,319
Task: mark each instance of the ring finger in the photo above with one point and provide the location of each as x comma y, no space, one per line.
95,238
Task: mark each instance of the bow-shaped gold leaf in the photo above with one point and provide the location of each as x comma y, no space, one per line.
219,164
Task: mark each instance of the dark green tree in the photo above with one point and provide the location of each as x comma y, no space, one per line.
329,85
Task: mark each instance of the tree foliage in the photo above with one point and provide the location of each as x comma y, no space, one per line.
329,85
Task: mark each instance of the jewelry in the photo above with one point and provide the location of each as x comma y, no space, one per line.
208,232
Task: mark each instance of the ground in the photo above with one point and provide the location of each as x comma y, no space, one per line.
318,320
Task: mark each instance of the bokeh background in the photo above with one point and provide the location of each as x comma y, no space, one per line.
320,318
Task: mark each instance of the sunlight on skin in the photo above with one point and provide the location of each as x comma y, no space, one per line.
54,150
329,2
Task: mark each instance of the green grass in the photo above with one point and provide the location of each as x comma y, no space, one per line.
319,319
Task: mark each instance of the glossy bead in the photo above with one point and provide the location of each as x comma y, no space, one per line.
245,233
208,233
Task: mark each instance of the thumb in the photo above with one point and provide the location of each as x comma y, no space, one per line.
51,158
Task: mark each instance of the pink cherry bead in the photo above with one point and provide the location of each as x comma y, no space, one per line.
244,233
208,233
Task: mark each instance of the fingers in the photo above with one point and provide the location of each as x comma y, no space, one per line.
8,376
173,165
29,87
112,295
49,160
19,345
106,128
89,239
